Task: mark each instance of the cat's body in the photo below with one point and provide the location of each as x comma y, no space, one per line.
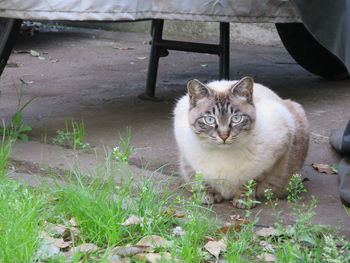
265,138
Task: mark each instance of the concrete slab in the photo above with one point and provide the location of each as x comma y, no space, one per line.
93,81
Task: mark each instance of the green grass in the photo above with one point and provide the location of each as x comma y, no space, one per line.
100,207
72,136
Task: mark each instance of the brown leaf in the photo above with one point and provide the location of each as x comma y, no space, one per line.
86,247
56,229
71,234
58,242
154,257
153,241
21,51
53,60
130,250
73,222
179,215
267,257
323,168
215,247
235,226
133,220
267,231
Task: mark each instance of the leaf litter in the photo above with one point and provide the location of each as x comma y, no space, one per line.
324,168
216,247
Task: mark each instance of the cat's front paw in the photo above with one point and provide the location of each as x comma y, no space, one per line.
211,198
241,203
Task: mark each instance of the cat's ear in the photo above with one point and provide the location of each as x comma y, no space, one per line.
244,88
197,90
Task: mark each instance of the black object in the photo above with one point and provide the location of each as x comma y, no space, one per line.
340,140
9,29
160,47
344,178
310,54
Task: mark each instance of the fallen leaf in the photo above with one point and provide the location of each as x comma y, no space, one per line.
267,246
47,251
130,250
34,53
235,226
21,51
141,58
267,257
26,81
132,220
73,222
154,257
178,231
117,259
215,247
323,168
235,217
267,231
86,247
58,242
71,234
13,65
53,60
153,241
179,215
122,48
56,229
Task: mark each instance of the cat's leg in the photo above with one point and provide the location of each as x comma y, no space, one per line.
240,200
208,193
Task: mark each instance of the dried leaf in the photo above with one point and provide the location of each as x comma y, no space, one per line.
178,231
132,220
34,53
56,229
47,251
267,231
267,257
86,247
215,247
21,51
122,48
267,246
58,242
71,234
26,81
73,222
13,65
118,259
323,168
235,226
153,241
130,250
179,215
154,257
53,60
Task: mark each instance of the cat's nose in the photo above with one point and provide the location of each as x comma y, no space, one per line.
223,137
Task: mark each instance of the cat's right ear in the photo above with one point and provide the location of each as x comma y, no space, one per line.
197,91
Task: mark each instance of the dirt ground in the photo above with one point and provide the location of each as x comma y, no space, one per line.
83,77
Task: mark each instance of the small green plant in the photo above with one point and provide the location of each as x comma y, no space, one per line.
72,136
295,189
247,197
17,129
124,149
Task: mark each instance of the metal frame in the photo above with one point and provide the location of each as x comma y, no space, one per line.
160,47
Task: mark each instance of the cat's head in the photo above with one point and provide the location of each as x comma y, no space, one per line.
221,112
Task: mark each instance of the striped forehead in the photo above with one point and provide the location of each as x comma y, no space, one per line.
222,107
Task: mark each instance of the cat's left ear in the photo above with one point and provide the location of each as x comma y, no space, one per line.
244,88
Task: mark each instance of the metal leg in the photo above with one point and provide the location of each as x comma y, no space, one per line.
157,32
224,47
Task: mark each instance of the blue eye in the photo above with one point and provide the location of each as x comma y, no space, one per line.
209,120
236,118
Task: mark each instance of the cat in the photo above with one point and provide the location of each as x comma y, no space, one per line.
235,131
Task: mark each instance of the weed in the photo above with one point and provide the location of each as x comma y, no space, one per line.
295,189
124,149
247,197
72,136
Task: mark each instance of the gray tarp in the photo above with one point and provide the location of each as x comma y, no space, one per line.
327,20
113,10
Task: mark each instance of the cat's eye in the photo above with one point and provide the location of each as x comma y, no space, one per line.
209,120
236,118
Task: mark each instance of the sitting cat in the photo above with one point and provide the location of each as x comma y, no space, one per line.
235,131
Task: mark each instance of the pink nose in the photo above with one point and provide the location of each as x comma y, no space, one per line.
223,137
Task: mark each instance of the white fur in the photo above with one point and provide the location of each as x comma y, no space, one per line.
227,168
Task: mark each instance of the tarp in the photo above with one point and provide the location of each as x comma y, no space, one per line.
114,10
